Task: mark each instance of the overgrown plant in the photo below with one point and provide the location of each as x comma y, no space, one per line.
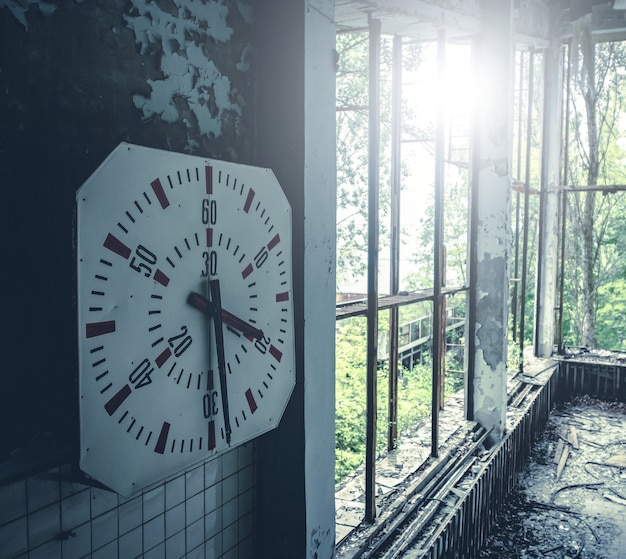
595,227
414,397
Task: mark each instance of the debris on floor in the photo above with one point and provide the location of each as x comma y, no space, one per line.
570,501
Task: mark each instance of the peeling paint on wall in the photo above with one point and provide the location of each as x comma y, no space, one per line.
321,541
190,89
189,75
489,332
20,9
74,85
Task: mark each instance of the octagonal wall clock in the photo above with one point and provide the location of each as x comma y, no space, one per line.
185,312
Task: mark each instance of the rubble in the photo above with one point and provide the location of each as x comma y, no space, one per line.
570,501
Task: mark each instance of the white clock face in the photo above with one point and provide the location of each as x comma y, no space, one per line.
185,313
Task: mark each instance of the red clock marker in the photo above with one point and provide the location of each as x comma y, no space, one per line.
211,435
161,278
160,193
116,246
275,240
93,329
208,175
162,440
248,203
118,399
276,353
251,401
163,357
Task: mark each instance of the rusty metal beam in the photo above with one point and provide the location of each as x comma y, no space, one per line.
604,188
358,307
562,239
548,230
520,99
372,272
394,280
438,241
529,128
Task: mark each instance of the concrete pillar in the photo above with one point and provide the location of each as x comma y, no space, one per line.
547,255
320,204
296,84
488,299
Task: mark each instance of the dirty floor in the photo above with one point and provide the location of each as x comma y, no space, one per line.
570,501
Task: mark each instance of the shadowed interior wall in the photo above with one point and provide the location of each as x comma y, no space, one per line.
297,139
76,80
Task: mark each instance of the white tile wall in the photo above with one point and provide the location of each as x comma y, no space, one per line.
13,499
130,544
14,537
154,532
207,512
104,529
175,546
78,544
75,510
44,525
174,520
50,550
130,514
108,551
195,535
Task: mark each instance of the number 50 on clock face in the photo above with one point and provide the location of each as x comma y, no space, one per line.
185,312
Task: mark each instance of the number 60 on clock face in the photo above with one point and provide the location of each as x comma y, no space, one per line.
185,312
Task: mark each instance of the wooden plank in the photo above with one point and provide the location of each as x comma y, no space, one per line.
559,469
573,437
617,460
559,451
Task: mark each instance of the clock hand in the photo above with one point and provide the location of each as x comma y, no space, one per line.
215,308
241,325
202,304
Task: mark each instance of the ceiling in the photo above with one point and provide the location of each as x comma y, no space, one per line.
461,19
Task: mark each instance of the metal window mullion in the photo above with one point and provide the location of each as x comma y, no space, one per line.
372,273
563,194
472,296
531,66
517,194
438,242
394,279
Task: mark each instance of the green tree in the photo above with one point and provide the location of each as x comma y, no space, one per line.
352,147
527,169
455,230
596,158
414,395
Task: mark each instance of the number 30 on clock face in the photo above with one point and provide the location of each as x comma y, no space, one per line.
185,312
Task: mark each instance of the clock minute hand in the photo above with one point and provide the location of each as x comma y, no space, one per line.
215,308
202,304
241,325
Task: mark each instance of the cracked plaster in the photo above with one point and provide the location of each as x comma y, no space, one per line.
191,85
490,330
188,73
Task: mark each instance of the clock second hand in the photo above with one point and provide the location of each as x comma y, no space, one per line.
202,304
215,308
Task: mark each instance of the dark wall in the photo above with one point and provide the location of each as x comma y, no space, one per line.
75,82
281,483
